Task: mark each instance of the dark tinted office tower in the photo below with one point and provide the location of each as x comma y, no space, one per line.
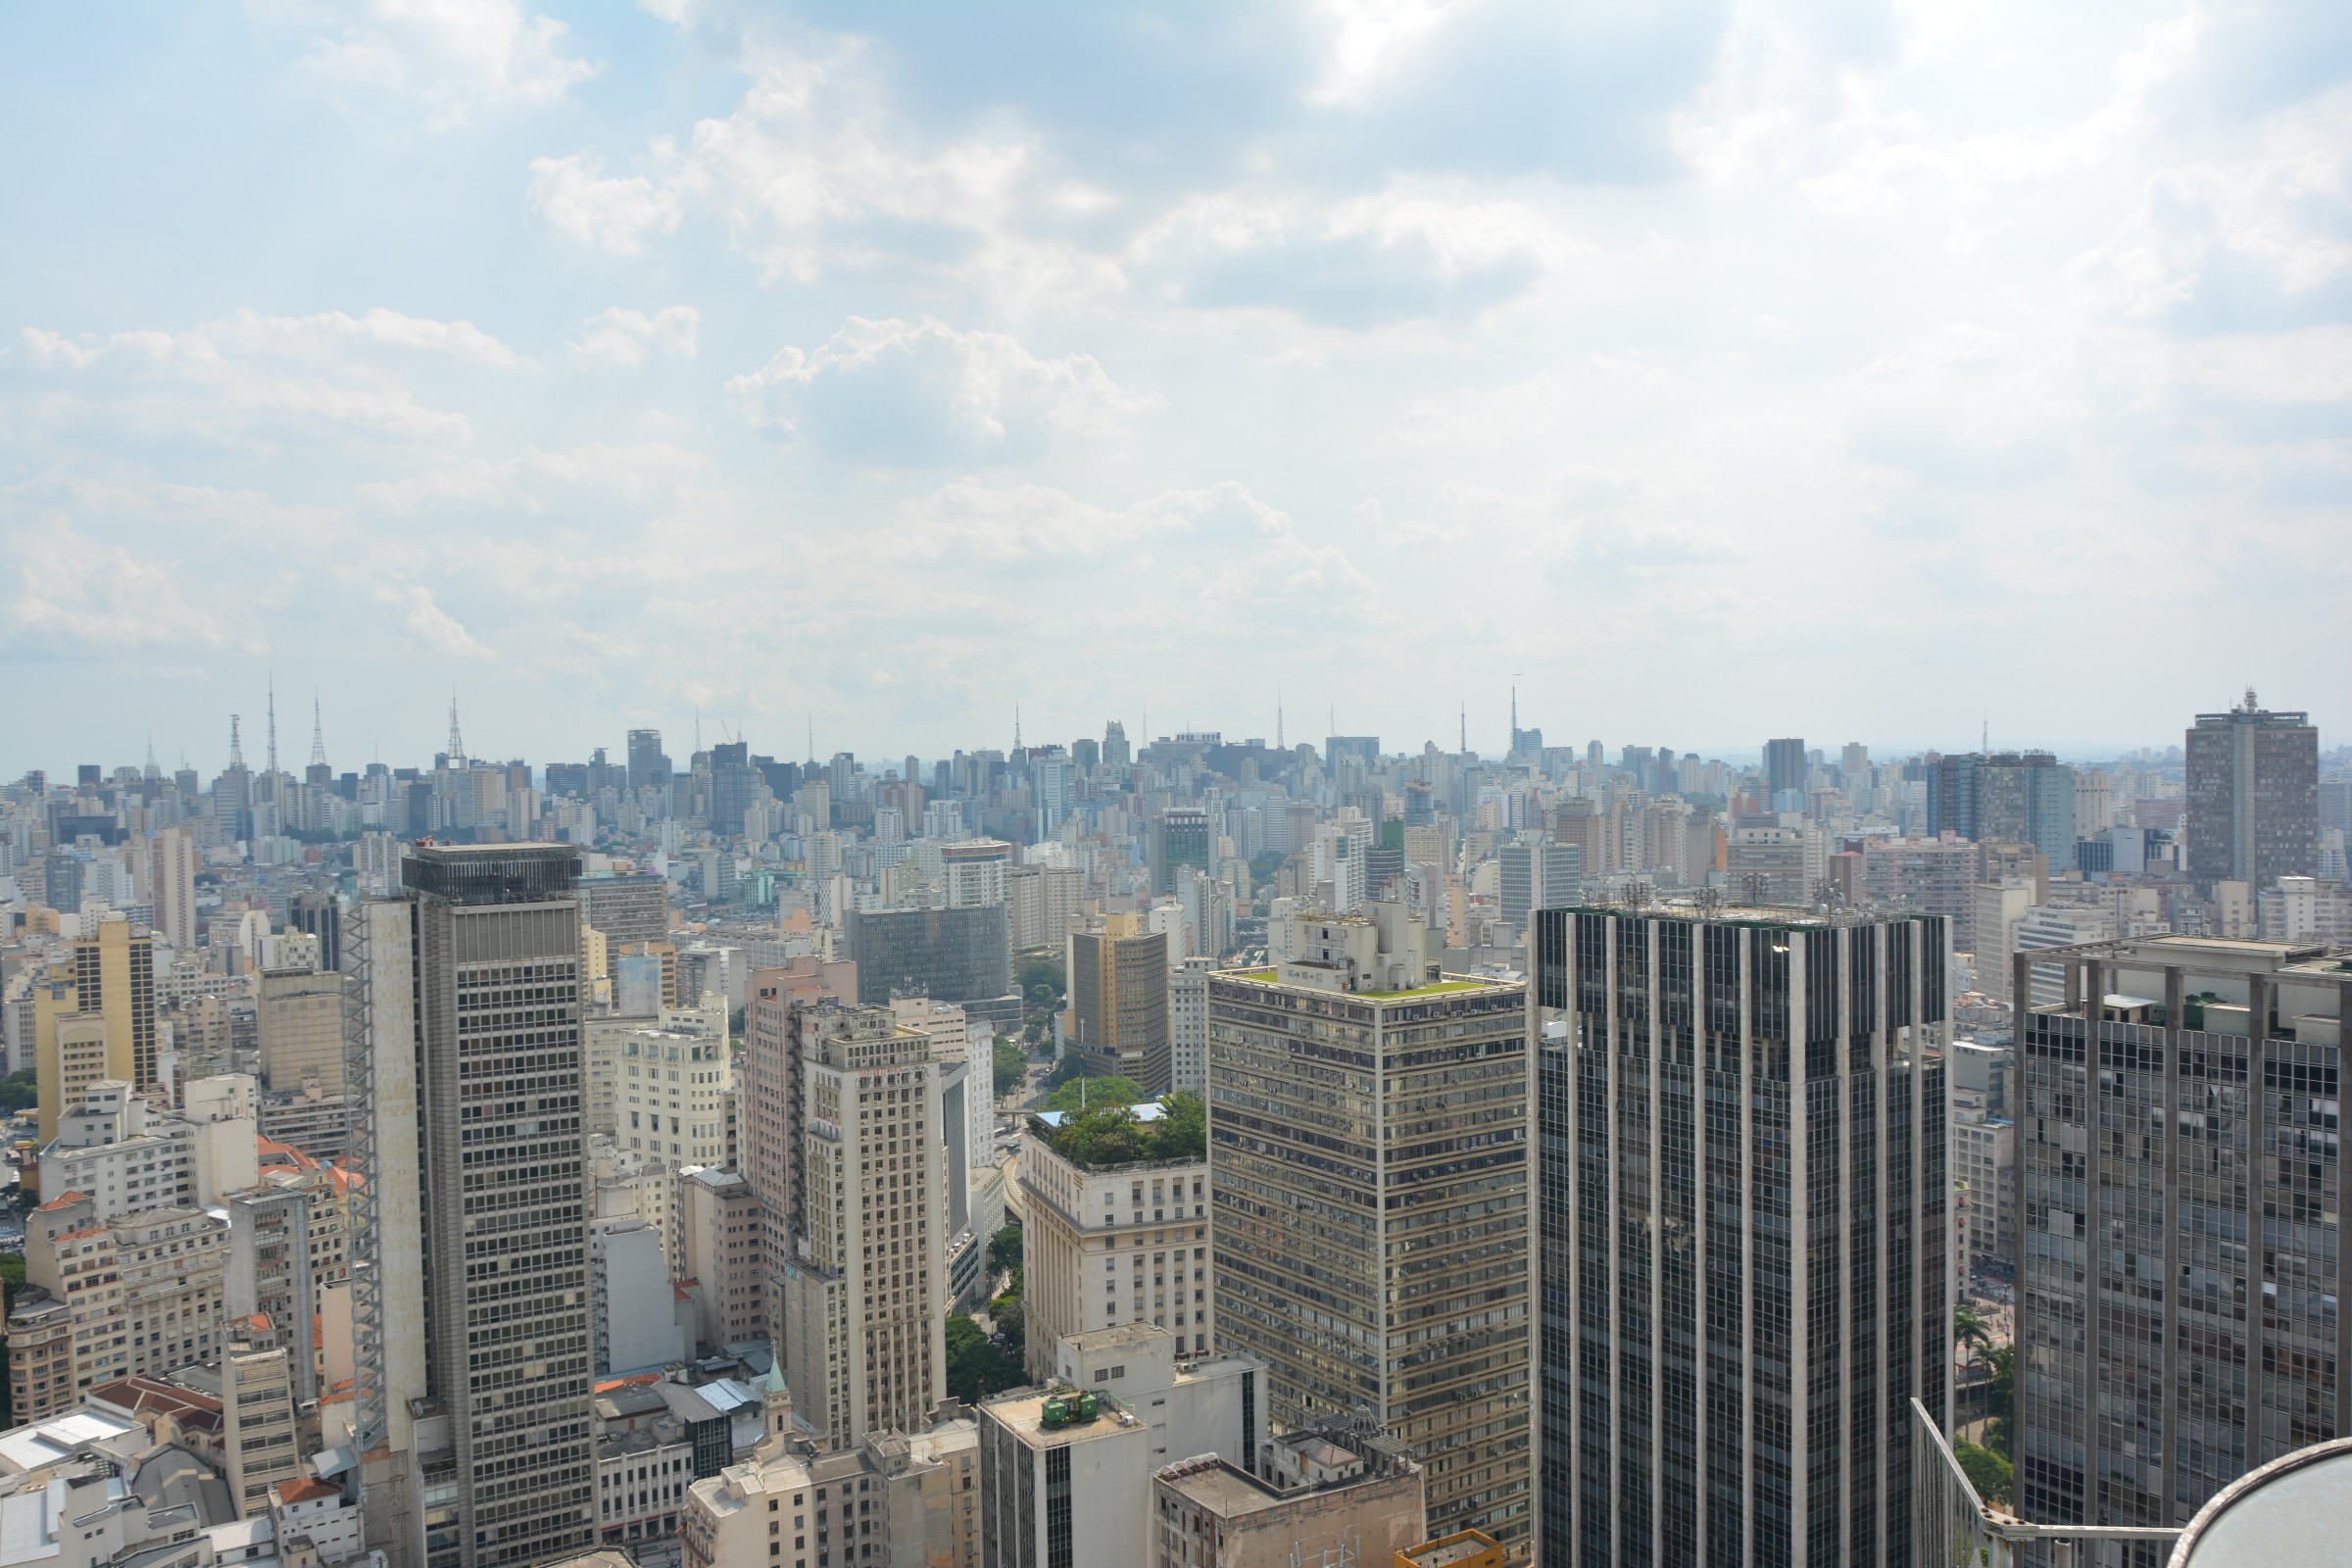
2005,798
947,954
734,784
1364,749
472,1278
320,913
627,909
649,767
1179,836
2181,1249
2253,797
1784,766
1741,1193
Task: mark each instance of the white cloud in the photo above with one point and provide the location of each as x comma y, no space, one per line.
429,623
79,597
455,58
580,204
910,392
625,340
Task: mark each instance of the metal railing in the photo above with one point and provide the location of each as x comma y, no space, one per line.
1952,1526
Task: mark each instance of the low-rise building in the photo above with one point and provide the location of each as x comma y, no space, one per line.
1365,1503
140,1294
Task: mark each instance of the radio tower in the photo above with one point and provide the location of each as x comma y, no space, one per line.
457,742
273,727
317,735
236,746
1465,727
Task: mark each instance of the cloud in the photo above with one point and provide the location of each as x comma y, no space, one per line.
581,480
625,340
78,597
916,392
429,623
456,59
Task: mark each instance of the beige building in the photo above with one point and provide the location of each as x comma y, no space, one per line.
719,1225
894,1497
298,1016
1118,975
102,997
135,1294
861,1288
1361,1508
258,1444
1109,1245
670,1096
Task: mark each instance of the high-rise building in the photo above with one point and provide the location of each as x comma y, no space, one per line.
320,913
2253,795
2005,798
950,955
649,765
1109,1238
2180,1239
975,871
94,1017
1188,1026
1118,980
860,1287
627,907
298,1016
1179,836
470,1271
172,887
1784,768
1115,750
1730,1343
1369,1143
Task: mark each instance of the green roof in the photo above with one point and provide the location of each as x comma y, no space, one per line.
1435,988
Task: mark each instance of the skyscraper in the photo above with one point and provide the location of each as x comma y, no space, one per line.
2005,798
2253,795
470,1279
1368,1142
649,765
94,1017
2180,1239
862,1297
1119,997
1784,766
1179,836
1741,1233
172,887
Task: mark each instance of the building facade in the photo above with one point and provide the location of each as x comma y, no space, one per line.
1741,1233
1370,1192
2180,1247
1118,978
2253,795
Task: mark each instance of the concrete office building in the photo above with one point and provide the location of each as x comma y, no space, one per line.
2253,797
1731,1343
2180,1250
172,860
975,871
94,1017
1118,980
1112,1242
1066,1468
298,1016
1364,1507
861,1285
470,1273
948,954
1179,836
1188,1026
2005,797
1368,1144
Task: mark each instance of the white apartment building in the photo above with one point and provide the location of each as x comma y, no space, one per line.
1111,1246
124,1155
138,1294
1188,1026
670,1096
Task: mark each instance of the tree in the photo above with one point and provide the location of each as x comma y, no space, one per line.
1004,1250
1991,1475
1011,1065
1111,1134
1042,974
1012,1317
1104,1090
2004,1400
1265,867
976,1363
1970,1328
18,1091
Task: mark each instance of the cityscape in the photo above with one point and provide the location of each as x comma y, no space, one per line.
1172,1151
1339,784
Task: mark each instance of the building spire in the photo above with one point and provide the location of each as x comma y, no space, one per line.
1016,726
1465,728
317,734
236,745
153,771
1278,745
457,742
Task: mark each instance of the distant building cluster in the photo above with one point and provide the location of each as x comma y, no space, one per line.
1187,1150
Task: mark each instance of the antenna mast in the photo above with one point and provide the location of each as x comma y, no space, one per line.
317,735
236,745
457,742
273,727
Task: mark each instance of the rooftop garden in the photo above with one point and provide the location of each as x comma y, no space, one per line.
1109,1132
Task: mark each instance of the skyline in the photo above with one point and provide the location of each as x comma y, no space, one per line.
896,367
294,748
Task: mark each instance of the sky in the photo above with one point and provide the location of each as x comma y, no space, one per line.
1707,370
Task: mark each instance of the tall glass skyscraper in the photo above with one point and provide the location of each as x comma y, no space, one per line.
1741,1233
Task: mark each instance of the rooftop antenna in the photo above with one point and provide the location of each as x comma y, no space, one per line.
1985,741
273,724
457,742
236,745
812,736
1465,728
1278,745
1515,675
1016,726
152,769
317,734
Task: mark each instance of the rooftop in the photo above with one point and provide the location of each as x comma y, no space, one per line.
1443,986
1022,1412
